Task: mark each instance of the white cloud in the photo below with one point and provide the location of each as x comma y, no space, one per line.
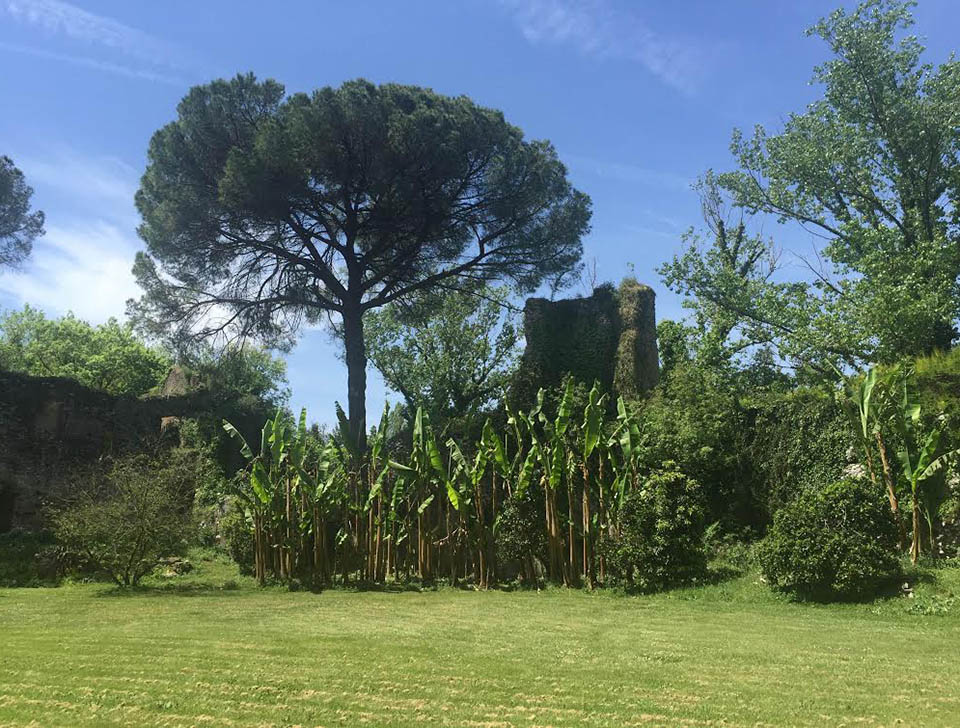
623,172
596,29
83,262
84,268
60,19
92,63
108,180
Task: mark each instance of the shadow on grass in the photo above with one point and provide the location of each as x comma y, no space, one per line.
182,590
893,587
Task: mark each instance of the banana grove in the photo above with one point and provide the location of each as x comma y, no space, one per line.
323,513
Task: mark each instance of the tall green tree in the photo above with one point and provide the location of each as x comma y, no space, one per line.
726,275
872,168
108,357
262,211
19,225
448,352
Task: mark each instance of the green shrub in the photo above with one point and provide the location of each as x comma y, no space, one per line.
836,543
730,552
695,420
659,538
521,543
29,558
122,521
237,535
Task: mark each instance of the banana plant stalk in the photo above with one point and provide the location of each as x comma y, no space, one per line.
590,434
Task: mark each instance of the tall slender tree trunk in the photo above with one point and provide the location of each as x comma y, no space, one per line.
355,355
571,530
602,517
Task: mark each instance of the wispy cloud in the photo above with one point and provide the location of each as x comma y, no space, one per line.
110,182
83,263
623,172
596,28
92,63
84,268
60,19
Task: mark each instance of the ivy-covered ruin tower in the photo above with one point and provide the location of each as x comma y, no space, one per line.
610,337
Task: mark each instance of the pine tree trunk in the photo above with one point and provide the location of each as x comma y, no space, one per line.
355,356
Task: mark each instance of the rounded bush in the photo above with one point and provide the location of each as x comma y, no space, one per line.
835,543
659,539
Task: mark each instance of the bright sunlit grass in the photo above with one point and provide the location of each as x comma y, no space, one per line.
191,652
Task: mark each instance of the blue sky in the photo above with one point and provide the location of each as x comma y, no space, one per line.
639,97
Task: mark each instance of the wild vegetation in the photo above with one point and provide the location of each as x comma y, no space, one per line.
801,442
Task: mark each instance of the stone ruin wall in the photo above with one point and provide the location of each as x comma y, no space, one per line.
609,337
50,426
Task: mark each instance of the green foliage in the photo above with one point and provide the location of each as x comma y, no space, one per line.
798,441
608,338
872,166
274,210
695,419
237,536
29,558
253,377
729,552
659,539
572,337
122,521
673,346
923,461
108,357
835,543
19,227
521,542
451,353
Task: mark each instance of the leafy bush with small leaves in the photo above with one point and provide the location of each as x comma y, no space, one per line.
520,540
836,543
694,419
730,551
658,542
123,520
238,538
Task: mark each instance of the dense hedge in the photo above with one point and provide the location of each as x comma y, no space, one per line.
799,442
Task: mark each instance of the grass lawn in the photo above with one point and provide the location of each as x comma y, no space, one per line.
189,652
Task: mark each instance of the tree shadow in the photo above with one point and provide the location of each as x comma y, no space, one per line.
183,590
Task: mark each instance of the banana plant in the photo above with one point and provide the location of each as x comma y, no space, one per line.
863,399
424,473
265,501
590,436
921,459
625,441
468,502
549,448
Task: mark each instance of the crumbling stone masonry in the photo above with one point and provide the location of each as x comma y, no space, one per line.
49,426
610,337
